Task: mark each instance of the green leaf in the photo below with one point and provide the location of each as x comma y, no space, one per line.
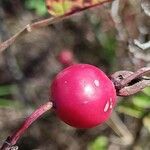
65,7
131,110
100,143
38,6
9,103
142,101
147,91
6,89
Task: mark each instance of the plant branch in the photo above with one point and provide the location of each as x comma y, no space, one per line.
29,28
42,23
130,90
128,83
12,140
135,75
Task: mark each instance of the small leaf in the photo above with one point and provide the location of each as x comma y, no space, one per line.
130,110
142,101
9,103
65,7
147,91
99,143
6,89
39,6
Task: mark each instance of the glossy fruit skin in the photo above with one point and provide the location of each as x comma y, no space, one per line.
83,96
65,57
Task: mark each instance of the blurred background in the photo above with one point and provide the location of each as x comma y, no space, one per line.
110,36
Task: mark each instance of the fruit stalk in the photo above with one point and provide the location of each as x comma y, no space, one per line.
12,140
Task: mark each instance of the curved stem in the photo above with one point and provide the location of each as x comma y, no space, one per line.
12,140
135,75
130,90
128,83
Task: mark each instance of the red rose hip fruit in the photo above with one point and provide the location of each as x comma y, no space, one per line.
65,57
83,96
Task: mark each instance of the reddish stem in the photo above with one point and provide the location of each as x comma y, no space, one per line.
12,140
135,75
128,83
